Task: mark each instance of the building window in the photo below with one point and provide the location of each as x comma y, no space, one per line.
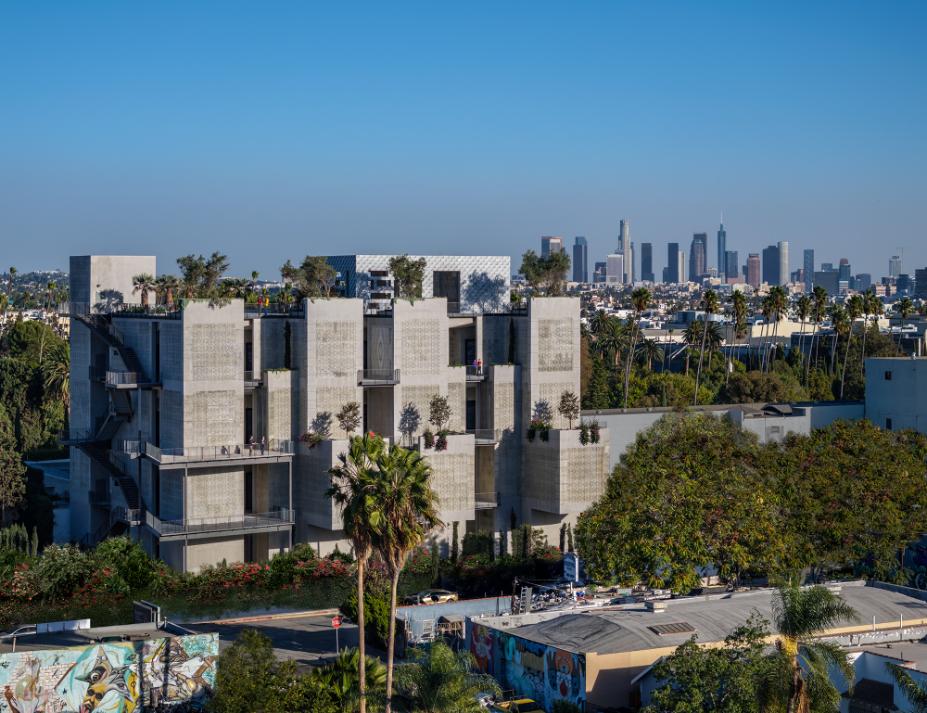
888,376
888,424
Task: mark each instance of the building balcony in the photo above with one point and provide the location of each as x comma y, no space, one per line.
125,380
485,436
252,380
476,373
204,527
485,501
275,451
377,377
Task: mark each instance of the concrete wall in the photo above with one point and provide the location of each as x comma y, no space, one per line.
453,477
107,278
552,361
896,393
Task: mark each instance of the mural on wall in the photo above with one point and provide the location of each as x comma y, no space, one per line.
104,678
541,672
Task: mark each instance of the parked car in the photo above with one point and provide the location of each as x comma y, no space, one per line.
432,596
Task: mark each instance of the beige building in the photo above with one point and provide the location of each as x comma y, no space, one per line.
187,424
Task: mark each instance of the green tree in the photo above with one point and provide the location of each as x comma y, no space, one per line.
144,283
640,301
723,680
914,691
313,279
799,678
12,479
352,490
546,274
408,275
569,406
442,681
689,493
341,678
407,510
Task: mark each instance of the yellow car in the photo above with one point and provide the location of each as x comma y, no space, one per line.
432,596
519,705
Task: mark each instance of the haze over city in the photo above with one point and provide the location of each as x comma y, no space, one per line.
176,128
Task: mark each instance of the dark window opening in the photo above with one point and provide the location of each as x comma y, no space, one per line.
888,376
249,491
471,415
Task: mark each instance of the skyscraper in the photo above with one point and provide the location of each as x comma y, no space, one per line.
771,265
844,271
647,262
753,269
598,272
809,269
580,260
697,256
681,269
783,262
730,265
894,266
624,247
722,254
671,274
551,244
614,269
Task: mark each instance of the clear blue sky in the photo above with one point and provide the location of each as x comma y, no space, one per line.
273,130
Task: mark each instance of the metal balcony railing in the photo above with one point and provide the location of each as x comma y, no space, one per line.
275,518
123,378
485,501
476,372
377,377
274,447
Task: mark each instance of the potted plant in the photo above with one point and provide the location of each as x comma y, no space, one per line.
441,442
583,434
594,431
429,438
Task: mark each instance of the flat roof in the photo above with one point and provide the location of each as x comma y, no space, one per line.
85,637
634,628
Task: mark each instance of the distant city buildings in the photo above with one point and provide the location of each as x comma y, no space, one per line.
894,266
599,271
698,257
753,270
730,266
580,259
672,273
783,248
771,265
615,270
624,247
723,271
551,244
647,262
808,269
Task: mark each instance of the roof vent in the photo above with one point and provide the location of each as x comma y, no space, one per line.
655,605
679,627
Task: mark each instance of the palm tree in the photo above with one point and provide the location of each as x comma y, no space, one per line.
818,310
144,283
739,304
843,327
873,306
166,288
691,336
803,311
9,285
640,301
442,681
352,490
408,511
342,675
778,305
652,351
915,692
855,308
610,340
57,376
904,308
798,678
710,304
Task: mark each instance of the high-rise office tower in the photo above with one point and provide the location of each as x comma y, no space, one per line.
844,271
697,256
730,265
753,269
862,282
771,265
722,254
681,268
783,262
894,266
580,260
598,272
671,274
647,262
630,272
614,269
920,283
808,265
551,244
624,245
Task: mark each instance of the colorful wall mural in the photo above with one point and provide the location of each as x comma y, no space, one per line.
538,671
118,677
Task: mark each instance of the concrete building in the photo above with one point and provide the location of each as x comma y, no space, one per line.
599,658
896,393
187,424
471,284
731,273
722,254
783,249
829,280
647,262
580,260
672,273
600,270
771,265
698,257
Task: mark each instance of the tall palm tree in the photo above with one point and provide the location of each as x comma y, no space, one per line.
408,511
610,340
818,311
855,308
57,376
9,284
709,304
353,489
144,283
739,305
843,327
692,336
652,351
166,288
778,305
872,305
802,311
904,308
799,676
442,681
640,301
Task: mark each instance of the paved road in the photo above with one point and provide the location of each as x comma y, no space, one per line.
307,640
